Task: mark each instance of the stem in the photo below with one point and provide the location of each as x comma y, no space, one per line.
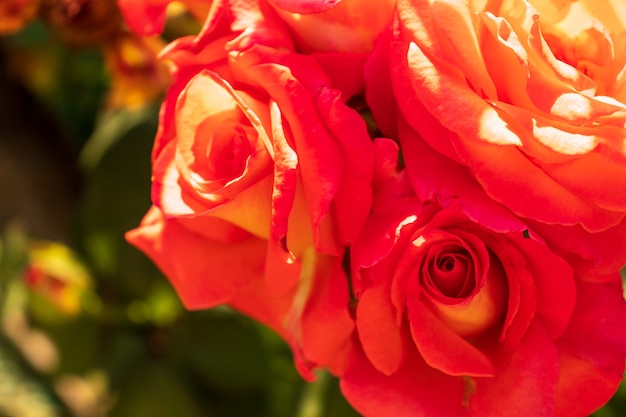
313,399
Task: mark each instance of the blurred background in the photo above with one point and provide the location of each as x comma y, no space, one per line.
88,326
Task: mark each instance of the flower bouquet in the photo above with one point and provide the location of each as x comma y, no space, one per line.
425,197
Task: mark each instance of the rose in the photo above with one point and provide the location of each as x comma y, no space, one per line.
223,47
254,190
460,318
480,94
332,131
220,209
217,233
192,180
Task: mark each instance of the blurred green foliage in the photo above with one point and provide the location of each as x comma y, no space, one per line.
131,350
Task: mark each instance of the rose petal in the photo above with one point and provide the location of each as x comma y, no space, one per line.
285,183
320,157
415,390
459,27
522,292
556,296
430,79
443,349
250,209
596,148
379,92
611,13
592,350
394,204
167,192
255,302
355,191
380,336
437,177
204,272
604,252
345,71
525,380
327,325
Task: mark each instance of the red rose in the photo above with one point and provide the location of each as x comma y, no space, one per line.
457,317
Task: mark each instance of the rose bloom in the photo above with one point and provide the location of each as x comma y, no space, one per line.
463,317
530,108
255,191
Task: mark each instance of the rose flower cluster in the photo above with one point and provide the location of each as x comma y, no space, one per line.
425,197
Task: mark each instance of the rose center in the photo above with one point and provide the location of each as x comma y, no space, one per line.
227,151
447,264
462,281
450,274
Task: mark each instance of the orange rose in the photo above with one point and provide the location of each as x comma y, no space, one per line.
255,188
486,102
230,223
